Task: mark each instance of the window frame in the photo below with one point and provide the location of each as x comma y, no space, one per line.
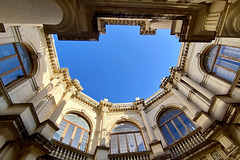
175,126
125,133
74,132
206,52
21,66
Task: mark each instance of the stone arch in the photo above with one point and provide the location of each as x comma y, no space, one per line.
124,119
81,113
164,108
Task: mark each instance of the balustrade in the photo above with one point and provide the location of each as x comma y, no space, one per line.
186,144
131,156
66,152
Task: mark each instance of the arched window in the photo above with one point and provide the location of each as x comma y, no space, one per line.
174,125
15,62
222,61
74,131
126,137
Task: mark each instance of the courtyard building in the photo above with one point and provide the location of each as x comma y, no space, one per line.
44,114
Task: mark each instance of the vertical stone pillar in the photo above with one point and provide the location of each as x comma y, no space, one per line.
60,106
198,87
155,145
39,97
191,107
104,104
31,12
140,105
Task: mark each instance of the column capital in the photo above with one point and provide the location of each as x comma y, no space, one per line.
140,104
104,105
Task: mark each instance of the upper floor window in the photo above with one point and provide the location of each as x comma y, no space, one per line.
15,62
126,137
74,131
174,125
222,61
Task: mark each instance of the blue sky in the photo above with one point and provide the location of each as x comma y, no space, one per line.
122,65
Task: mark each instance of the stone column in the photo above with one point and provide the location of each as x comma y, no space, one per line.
104,104
191,107
149,128
140,104
39,97
31,12
198,87
156,146
60,106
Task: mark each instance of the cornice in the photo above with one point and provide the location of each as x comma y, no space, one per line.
123,107
180,66
143,23
86,99
55,68
156,98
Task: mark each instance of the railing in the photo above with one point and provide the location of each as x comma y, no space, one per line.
186,144
131,156
66,152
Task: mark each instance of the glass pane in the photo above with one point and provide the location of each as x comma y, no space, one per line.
67,137
9,64
25,55
230,51
167,135
233,65
180,126
140,143
84,141
12,76
131,142
77,120
122,143
124,127
76,138
59,133
114,144
224,73
6,50
209,59
173,131
168,115
187,122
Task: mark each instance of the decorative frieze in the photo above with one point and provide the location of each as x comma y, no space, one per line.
143,23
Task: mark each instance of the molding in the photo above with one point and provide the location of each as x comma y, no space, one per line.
15,122
143,23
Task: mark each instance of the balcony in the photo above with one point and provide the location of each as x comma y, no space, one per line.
66,152
191,143
131,156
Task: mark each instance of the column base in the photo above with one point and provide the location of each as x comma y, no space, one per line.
157,148
101,153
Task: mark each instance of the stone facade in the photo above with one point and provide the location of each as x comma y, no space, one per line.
33,106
